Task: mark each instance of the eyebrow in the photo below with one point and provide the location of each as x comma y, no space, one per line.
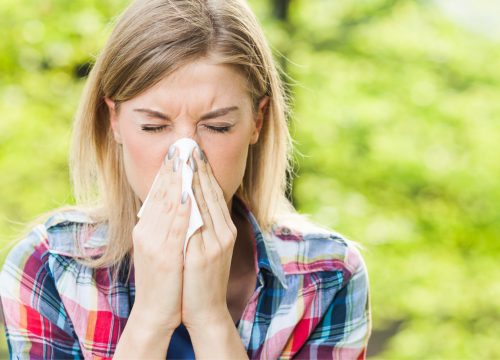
210,115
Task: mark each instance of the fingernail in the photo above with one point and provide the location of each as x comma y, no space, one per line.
171,152
194,165
204,156
184,197
176,163
200,153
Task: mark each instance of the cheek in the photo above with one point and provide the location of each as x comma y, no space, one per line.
143,155
142,159
228,164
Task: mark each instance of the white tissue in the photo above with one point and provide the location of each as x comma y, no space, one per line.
185,147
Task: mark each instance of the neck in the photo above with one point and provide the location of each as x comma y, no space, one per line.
242,259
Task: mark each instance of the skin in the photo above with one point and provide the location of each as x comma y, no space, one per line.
210,288
185,96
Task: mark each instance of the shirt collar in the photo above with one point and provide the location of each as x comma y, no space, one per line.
267,256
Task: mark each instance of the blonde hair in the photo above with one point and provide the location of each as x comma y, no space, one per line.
151,40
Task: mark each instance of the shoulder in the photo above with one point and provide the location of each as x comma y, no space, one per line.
75,233
63,232
42,283
27,257
305,247
49,248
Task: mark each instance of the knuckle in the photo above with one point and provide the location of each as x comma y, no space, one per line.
233,230
227,242
167,207
138,245
141,248
176,230
159,194
218,193
203,207
137,233
216,252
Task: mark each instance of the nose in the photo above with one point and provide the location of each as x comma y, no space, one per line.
186,130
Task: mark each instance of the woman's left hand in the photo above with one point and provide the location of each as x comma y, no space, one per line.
209,253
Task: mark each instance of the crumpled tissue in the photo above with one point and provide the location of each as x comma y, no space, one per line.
185,147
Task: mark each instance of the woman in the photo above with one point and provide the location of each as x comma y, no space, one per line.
257,280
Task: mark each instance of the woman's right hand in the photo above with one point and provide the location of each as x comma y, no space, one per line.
158,240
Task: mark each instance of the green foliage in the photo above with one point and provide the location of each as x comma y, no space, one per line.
395,113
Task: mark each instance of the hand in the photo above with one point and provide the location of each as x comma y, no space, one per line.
209,253
158,240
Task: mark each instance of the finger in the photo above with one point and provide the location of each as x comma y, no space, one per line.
207,230
178,229
158,189
221,227
164,194
220,195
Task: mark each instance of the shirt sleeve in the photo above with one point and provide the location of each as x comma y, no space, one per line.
36,322
345,328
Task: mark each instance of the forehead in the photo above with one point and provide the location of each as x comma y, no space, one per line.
200,81
206,70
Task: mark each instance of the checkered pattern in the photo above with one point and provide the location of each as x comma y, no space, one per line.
311,300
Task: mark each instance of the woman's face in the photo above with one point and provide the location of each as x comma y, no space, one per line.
203,101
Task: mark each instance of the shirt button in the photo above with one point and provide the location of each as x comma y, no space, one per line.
285,231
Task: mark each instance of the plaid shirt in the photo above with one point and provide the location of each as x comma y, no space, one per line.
311,299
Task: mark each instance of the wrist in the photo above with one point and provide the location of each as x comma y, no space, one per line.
217,338
151,322
215,320
140,339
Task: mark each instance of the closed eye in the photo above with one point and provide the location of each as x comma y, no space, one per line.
214,129
153,128
219,129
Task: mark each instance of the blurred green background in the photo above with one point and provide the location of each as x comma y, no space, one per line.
396,121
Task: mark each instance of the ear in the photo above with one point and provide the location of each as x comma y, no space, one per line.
113,119
259,119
